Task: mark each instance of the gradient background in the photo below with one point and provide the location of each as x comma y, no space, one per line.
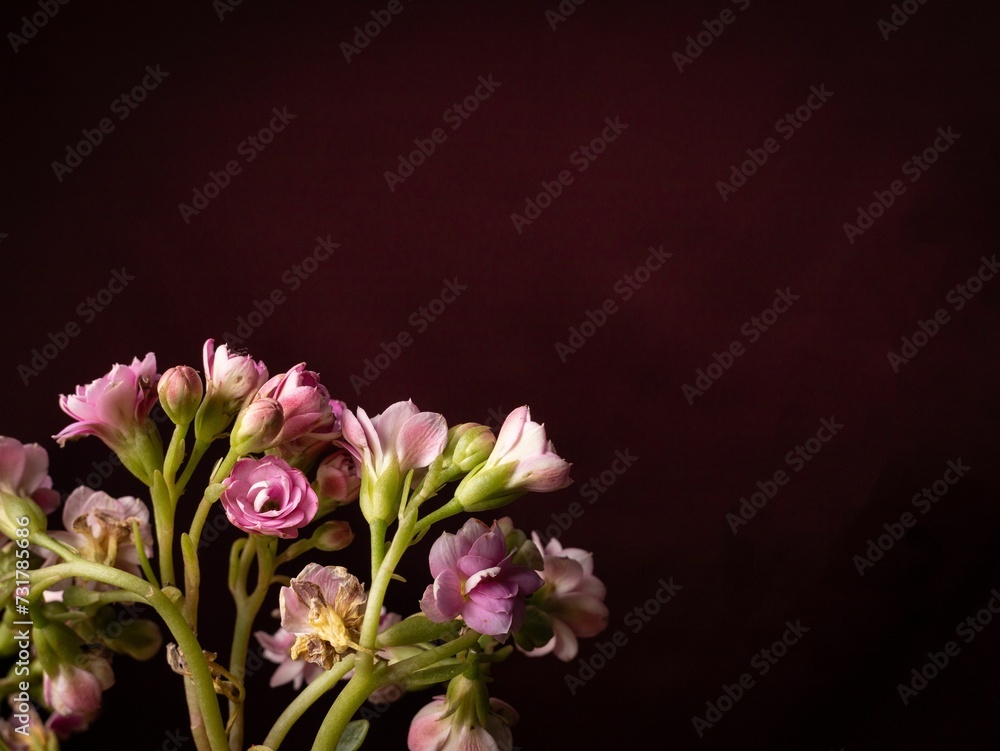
494,348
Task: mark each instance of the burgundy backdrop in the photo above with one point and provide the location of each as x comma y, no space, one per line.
636,198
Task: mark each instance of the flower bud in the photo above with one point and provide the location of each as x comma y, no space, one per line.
472,445
338,481
332,536
180,391
257,426
18,513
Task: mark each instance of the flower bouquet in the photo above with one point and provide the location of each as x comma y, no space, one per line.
293,457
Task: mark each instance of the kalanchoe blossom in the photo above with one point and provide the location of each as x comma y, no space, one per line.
231,380
304,451
522,460
389,445
24,473
100,527
437,727
572,596
115,408
475,577
180,391
277,648
268,497
305,401
338,480
74,691
324,607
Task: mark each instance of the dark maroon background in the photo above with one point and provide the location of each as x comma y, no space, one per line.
494,348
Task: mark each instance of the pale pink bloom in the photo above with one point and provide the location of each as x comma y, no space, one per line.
475,577
257,426
231,378
74,692
277,648
324,606
302,452
115,406
572,596
100,527
522,460
402,436
268,497
436,728
24,472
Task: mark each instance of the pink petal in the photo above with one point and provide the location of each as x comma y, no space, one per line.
421,440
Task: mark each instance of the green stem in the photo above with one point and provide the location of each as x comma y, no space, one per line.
398,672
451,508
247,608
174,620
140,551
308,696
200,447
378,529
348,702
380,583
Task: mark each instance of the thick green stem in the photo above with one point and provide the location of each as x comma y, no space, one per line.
348,702
309,695
380,583
247,608
174,620
398,672
451,508
378,528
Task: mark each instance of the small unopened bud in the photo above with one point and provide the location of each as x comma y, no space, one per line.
472,445
180,391
20,517
338,480
331,536
257,426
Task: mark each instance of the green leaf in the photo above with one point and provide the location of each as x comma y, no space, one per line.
353,736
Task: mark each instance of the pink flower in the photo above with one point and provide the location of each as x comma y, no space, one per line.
523,459
475,577
572,596
268,497
115,408
338,479
277,648
324,607
100,527
437,728
305,401
24,472
230,382
74,691
389,445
